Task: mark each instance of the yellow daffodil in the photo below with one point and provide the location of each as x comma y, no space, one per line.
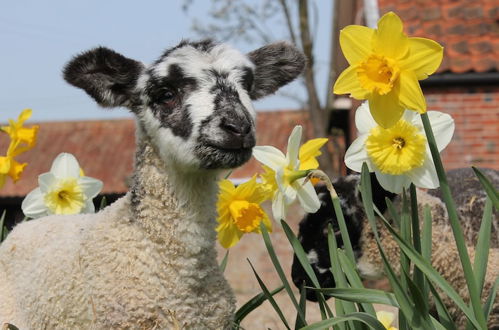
21,140
400,154
239,211
386,318
385,66
288,178
24,137
62,190
10,167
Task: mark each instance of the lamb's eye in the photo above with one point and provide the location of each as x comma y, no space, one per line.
168,95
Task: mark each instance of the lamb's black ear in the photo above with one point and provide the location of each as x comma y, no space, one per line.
276,65
380,194
105,75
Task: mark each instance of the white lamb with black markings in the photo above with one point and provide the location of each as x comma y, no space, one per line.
148,261
470,199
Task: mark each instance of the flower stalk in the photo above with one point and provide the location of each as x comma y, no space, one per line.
454,222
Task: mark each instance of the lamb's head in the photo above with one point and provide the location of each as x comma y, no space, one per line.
313,230
194,102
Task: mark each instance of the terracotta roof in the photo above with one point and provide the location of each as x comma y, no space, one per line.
105,149
468,30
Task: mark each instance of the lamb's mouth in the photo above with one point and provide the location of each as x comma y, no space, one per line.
214,156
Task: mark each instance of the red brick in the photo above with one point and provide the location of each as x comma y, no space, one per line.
473,12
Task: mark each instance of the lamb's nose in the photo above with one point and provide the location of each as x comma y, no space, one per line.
239,132
236,127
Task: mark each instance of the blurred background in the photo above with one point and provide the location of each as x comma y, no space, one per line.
38,38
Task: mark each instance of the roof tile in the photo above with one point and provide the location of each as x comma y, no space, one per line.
468,30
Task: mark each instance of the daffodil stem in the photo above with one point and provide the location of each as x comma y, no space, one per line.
454,222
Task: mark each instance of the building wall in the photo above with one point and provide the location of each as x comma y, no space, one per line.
476,114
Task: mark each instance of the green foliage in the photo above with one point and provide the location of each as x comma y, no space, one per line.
413,287
3,229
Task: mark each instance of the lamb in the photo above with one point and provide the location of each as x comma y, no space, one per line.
148,261
445,259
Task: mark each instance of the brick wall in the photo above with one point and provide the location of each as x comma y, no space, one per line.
476,114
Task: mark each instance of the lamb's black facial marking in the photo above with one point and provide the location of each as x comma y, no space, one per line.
166,96
203,45
247,80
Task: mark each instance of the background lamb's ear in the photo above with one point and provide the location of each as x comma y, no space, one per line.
276,65
105,75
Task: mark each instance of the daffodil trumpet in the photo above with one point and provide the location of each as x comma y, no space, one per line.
400,154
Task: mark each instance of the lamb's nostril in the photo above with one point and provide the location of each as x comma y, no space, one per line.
237,128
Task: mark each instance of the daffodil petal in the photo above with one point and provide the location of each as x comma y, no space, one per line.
45,181
25,115
89,207
356,154
425,176
5,163
33,205
443,126
410,93
308,151
289,193
385,109
389,38
386,318
393,183
425,56
226,186
348,83
65,165
355,42
307,196
278,207
229,236
266,221
270,156
364,121
245,190
90,186
16,169
293,146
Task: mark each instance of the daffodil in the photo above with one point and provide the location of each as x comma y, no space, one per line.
289,178
385,66
10,167
400,154
386,318
307,157
21,140
23,137
239,211
62,190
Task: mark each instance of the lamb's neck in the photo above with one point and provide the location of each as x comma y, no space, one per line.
168,202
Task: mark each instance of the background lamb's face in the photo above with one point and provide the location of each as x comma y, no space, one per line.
313,229
194,102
